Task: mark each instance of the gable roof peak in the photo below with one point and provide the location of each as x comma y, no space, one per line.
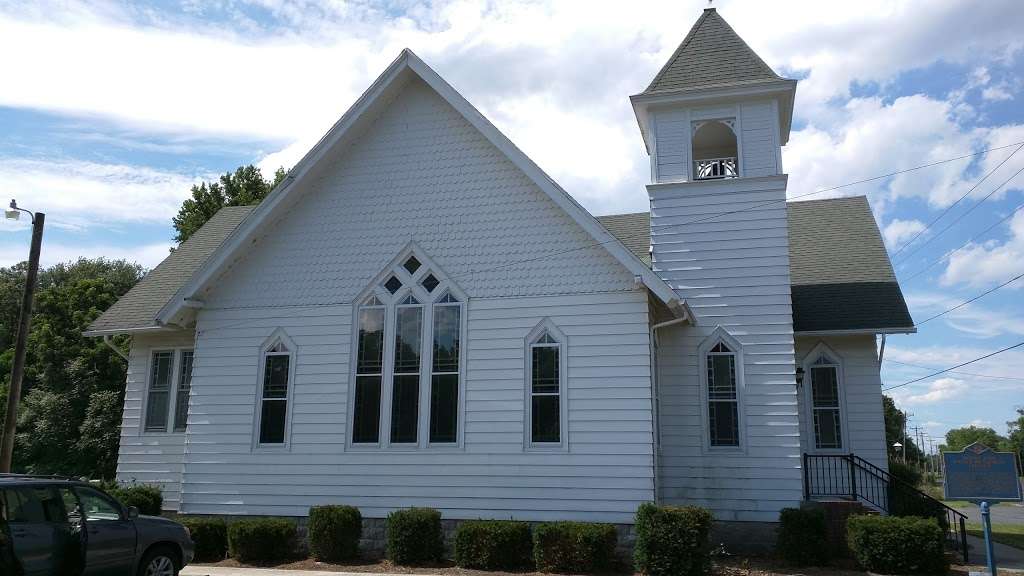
711,54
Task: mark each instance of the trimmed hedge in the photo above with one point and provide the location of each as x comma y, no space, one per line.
574,547
210,535
897,545
148,499
261,539
414,536
672,540
493,545
334,532
803,536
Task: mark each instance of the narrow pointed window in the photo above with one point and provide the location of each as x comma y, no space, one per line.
184,390
825,405
369,371
405,390
545,390
274,395
722,397
444,377
159,395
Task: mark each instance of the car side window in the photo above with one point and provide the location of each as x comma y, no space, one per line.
53,506
97,506
21,506
72,508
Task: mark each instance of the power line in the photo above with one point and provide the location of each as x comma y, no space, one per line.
966,302
962,216
951,206
933,374
949,254
614,238
972,374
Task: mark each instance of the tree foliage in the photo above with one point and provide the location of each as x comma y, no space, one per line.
72,394
1015,429
959,438
243,187
895,422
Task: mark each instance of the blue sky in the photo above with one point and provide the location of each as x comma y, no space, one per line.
110,111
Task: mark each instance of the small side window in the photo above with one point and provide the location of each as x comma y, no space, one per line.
96,506
21,506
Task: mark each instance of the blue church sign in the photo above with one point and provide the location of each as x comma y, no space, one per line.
978,473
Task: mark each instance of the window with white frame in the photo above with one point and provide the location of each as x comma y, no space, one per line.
722,397
826,407
546,405
183,391
408,358
167,391
273,408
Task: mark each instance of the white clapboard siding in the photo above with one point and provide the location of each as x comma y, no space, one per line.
606,473
672,145
148,457
861,391
758,139
734,273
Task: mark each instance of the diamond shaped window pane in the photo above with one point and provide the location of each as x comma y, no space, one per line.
430,282
412,265
393,284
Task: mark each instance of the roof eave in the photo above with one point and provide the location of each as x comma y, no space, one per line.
857,331
132,330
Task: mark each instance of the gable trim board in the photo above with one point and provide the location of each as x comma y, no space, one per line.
388,82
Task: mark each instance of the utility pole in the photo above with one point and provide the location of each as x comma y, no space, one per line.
24,321
906,417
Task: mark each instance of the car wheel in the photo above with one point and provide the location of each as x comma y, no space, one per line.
159,562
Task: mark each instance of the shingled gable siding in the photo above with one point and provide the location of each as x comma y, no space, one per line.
422,173
734,272
147,457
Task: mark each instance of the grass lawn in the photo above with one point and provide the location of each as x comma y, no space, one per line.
1009,534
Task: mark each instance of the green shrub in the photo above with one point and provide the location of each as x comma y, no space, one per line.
414,536
261,539
148,499
894,545
672,540
334,532
493,545
803,539
574,547
210,536
905,472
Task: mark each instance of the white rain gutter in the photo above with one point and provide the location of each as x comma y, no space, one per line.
881,351
655,407
110,344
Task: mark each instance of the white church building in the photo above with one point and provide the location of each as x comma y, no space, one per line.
419,316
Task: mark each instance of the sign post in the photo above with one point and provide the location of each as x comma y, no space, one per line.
979,474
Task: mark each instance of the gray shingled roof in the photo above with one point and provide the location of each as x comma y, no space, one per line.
138,308
840,272
712,54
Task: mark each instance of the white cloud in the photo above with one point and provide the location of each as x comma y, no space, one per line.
997,93
79,195
989,262
999,373
938,391
899,231
148,255
980,423
553,75
973,319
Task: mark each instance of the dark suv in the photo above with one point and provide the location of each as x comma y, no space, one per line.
60,526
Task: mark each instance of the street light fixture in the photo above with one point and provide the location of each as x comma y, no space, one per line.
13,212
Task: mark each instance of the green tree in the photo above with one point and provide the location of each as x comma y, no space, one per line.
70,415
959,438
895,423
243,187
1015,430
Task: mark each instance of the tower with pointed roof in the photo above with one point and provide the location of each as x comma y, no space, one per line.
714,120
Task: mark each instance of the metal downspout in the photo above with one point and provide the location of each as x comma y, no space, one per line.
110,344
655,405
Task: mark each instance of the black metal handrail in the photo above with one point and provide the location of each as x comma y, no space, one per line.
849,476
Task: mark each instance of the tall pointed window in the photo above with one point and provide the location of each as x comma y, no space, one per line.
184,390
405,394
273,425
369,372
722,397
826,409
408,358
545,390
444,378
